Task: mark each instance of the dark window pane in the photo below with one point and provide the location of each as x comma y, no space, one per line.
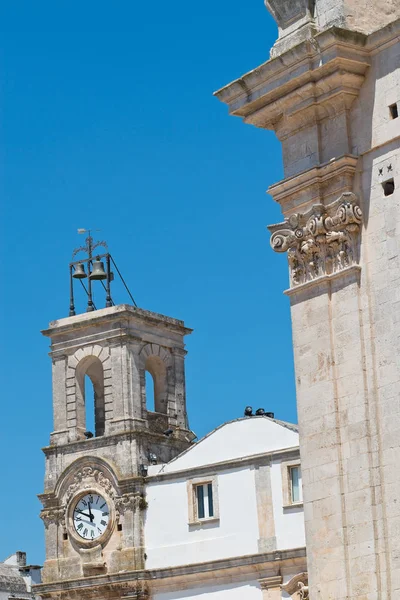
200,501
210,500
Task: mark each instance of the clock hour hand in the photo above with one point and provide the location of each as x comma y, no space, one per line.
82,513
91,517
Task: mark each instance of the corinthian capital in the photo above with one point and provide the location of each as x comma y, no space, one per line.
322,241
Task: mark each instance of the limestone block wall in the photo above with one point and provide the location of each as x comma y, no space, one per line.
340,201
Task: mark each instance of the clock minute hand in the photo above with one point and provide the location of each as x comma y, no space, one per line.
91,517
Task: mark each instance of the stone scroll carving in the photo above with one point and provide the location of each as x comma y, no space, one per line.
322,241
297,587
303,591
85,478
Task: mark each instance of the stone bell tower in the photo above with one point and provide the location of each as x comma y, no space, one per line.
331,93
114,348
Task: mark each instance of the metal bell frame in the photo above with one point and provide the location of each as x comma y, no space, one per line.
95,272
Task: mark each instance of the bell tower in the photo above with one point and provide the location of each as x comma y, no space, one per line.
113,349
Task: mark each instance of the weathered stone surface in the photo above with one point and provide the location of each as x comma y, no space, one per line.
339,137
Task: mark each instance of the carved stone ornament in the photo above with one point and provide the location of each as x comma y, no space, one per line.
53,516
85,478
127,502
297,587
303,591
323,241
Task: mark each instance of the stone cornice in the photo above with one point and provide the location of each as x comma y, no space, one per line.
191,472
141,431
314,79
304,189
384,37
108,315
262,564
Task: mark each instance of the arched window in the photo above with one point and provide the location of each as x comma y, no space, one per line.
90,395
156,375
150,404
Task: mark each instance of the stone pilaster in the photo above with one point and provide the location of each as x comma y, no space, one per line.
271,587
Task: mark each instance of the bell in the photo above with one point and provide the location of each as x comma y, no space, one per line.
79,272
98,272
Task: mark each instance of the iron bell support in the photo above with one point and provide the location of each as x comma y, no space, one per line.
95,272
72,312
108,292
90,306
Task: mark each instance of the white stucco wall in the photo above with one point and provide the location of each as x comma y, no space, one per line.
248,591
171,541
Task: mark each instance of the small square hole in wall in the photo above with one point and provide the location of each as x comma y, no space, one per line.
388,187
394,111
65,536
119,527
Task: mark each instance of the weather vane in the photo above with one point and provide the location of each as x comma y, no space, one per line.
95,272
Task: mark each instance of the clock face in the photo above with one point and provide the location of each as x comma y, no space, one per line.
91,515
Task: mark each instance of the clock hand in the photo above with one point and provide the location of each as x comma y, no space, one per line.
82,513
91,517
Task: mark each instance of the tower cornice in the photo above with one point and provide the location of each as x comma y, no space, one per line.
61,327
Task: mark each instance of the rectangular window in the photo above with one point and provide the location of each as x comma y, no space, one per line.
204,498
295,484
394,111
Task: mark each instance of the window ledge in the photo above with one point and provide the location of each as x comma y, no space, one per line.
293,505
201,522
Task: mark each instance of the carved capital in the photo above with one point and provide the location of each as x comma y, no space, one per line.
322,241
127,502
270,582
53,516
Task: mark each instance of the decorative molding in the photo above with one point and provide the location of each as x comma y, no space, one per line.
85,478
322,241
227,569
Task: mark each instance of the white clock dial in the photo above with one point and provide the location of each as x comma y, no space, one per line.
91,515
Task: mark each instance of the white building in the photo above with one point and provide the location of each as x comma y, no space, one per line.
17,578
232,500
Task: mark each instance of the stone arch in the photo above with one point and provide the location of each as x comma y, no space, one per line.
93,361
156,360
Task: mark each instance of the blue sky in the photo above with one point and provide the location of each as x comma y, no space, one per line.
108,121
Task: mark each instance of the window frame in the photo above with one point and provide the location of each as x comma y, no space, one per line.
300,484
287,496
192,486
